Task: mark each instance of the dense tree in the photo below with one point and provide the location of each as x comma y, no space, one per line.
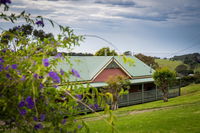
127,53
150,61
106,51
28,32
163,78
76,54
116,86
181,68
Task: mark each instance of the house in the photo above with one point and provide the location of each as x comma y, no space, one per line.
95,70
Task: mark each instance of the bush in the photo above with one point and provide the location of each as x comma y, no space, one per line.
34,95
186,80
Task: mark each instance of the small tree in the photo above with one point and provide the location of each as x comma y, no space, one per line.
116,86
127,53
164,77
107,50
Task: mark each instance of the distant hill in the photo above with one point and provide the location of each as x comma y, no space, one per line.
168,63
193,60
190,61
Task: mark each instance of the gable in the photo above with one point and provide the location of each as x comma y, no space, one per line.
112,65
112,69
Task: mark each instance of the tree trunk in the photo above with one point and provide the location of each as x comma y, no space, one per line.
114,105
165,94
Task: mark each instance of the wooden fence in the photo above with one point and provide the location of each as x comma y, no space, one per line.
140,97
146,96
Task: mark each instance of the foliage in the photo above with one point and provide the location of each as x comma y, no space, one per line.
181,67
163,78
76,54
117,86
186,80
106,51
34,95
27,31
150,61
182,70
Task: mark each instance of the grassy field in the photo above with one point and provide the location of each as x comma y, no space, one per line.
179,115
168,63
197,69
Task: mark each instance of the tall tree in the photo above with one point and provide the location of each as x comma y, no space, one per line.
106,51
116,86
163,78
150,61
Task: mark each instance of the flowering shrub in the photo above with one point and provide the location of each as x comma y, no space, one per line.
34,96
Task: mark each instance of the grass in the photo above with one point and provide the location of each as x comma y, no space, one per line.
180,114
168,63
197,69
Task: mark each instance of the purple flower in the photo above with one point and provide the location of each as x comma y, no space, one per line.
58,55
79,96
1,67
80,126
23,112
62,72
35,118
41,86
40,23
96,106
18,72
7,67
41,77
46,62
38,126
3,50
42,117
30,103
22,104
23,78
5,2
55,77
14,66
64,121
75,73
35,75
8,76
55,86
1,60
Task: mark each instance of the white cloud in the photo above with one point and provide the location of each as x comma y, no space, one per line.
97,11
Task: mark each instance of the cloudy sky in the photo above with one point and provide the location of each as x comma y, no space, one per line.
154,27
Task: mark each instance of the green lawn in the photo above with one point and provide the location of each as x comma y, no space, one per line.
168,63
179,115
